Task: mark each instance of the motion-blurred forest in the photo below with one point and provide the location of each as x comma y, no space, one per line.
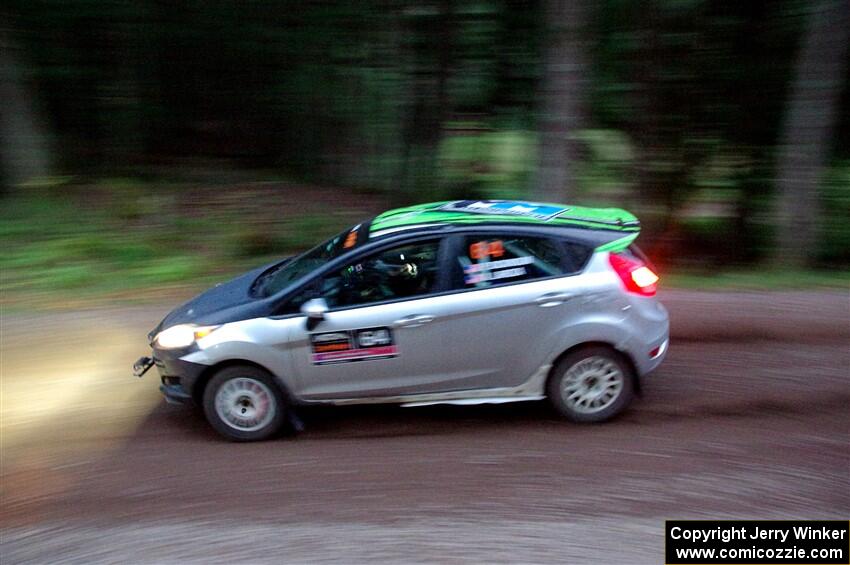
149,142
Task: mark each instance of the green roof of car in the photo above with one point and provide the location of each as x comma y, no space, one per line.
470,212
505,211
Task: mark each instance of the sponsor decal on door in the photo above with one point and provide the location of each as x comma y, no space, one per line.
352,345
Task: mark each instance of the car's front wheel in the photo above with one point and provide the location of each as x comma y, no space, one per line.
243,403
591,384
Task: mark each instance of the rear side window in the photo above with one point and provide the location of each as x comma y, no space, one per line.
577,255
485,261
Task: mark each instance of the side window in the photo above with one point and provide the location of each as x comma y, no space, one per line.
401,272
485,261
577,256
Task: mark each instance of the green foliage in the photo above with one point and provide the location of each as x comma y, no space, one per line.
410,100
834,245
603,176
121,236
479,163
308,230
760,279
154,271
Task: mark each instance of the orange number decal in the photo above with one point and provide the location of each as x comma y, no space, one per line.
350,239
478,250
483,249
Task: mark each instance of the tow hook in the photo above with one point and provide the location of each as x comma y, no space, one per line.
141,366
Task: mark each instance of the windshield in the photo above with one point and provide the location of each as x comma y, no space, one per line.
280,276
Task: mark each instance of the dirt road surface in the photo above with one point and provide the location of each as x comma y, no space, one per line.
748,418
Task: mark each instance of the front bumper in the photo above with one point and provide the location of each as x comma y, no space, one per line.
177,377
174,394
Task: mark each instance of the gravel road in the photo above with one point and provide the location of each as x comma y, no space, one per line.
749,417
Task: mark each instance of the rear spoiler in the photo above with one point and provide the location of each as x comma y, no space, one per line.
618,244
613,229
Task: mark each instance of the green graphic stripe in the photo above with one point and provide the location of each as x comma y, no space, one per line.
597,218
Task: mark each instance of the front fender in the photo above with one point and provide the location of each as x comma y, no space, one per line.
273,359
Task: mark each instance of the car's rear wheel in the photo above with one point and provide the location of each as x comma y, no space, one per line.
243,403
591,384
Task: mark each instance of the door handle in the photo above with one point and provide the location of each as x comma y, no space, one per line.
552,299
413,321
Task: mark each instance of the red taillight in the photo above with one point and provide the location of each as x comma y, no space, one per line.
636,276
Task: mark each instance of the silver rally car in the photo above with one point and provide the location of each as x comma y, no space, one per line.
463,302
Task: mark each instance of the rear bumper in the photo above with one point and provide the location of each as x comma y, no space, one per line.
650,344
655,355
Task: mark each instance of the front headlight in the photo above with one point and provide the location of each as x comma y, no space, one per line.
181,335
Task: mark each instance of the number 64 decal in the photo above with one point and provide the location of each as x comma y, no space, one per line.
485,249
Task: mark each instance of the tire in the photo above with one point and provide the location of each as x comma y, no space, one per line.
591,384
244,403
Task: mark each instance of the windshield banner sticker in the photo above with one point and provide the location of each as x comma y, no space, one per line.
352,345
506,208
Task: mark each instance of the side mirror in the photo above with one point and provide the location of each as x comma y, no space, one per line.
315,309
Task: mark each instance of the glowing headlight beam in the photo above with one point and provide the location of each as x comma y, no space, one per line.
182,335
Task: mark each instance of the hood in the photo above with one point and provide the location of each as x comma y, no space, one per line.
226,302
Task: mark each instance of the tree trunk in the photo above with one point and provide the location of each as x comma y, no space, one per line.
564,84
23,143
807,134
430,39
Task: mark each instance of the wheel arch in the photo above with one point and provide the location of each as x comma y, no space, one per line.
597,343
206,375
